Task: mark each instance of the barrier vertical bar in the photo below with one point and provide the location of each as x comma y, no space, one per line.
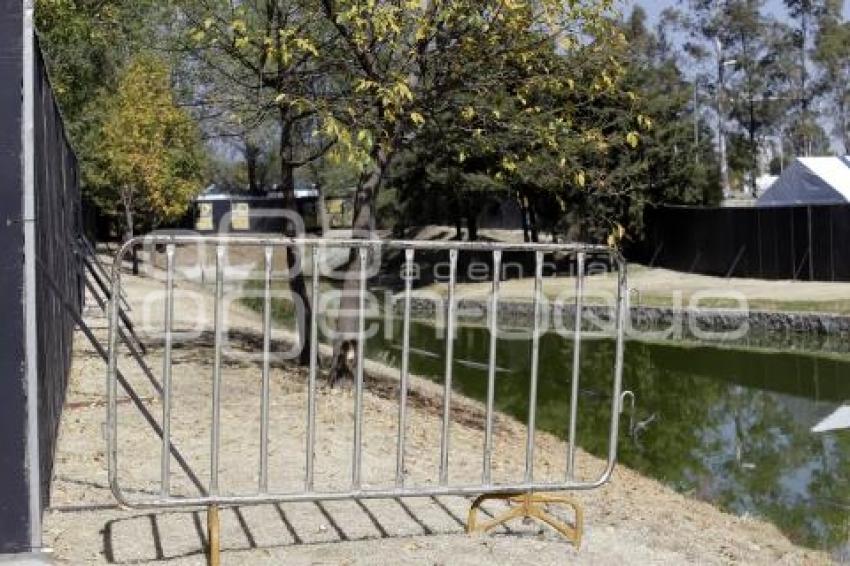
314,365
535,366
571,454
491,367
165,463
216,385
112,377
264,393
447,390
405,367
358,394
622,313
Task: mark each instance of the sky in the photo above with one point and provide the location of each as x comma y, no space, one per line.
654,7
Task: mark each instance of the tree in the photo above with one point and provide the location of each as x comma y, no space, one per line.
832,55
621,173
255,63
806,14
753,74
149,154
757,81
677,161
87,46
402,64
708,24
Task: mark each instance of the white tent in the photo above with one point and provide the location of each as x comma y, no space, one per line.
811,180
838,420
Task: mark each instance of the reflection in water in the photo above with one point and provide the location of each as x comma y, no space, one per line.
731,427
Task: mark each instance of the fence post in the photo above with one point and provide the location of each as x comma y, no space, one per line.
811,255
214,535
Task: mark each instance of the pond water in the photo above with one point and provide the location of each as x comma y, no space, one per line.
728,426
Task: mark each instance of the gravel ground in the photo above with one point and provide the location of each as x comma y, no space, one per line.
633,519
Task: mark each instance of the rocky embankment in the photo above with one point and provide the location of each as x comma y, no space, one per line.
800,331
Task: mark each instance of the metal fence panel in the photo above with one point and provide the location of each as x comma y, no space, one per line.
211,495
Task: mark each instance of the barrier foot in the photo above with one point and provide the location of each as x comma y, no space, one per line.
529,505
213,530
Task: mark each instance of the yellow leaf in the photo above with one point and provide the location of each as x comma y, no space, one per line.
363,85
306,45
616,236
580,179
417,118
632,139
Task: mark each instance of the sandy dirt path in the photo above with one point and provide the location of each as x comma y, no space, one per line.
632,520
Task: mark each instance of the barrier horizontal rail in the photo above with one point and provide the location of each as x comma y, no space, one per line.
398,487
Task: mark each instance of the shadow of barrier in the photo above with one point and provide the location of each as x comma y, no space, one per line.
157,537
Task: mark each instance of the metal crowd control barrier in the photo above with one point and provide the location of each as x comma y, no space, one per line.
528,493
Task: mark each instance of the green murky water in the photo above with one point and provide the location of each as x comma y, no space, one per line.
728,426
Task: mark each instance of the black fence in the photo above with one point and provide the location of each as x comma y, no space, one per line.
40,242
793,242
58,227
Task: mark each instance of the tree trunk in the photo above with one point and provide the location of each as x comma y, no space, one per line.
321,211
128,217
721,119
804,76
843,121
753,151
458,227
346,340
129,227
472,225
295,269
526,237
532,220
252,156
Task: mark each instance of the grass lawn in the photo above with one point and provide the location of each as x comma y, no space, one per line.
665,288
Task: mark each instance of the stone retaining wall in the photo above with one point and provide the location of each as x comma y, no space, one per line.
809,331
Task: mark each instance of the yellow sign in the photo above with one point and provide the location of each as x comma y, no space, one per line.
240,218
204,223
